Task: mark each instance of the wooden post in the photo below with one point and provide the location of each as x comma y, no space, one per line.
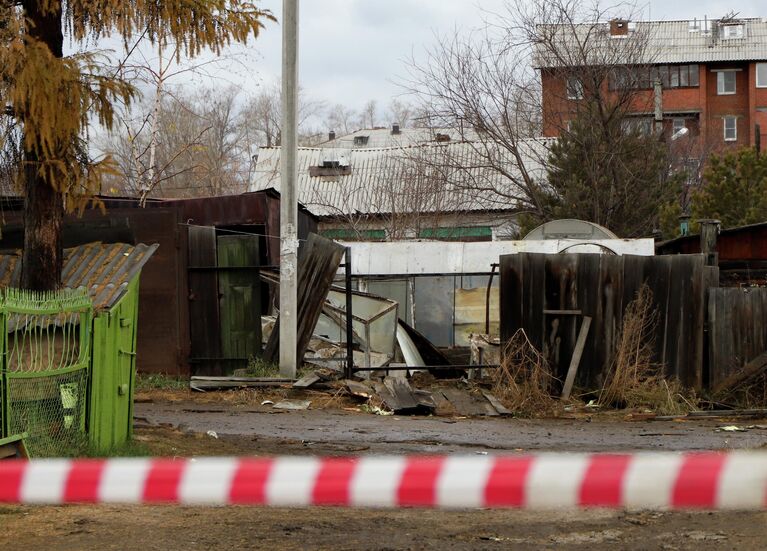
576,359
709,230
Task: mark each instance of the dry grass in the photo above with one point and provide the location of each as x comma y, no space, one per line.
634,380
523,382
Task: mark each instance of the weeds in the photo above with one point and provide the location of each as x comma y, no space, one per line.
523,382
634,380
258,367
160,381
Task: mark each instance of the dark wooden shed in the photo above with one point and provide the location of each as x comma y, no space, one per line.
168,307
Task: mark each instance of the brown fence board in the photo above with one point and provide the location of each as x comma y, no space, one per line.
203,297
737,330
601,286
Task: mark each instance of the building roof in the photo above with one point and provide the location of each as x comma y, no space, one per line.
105,270
683,41
384,137
434,177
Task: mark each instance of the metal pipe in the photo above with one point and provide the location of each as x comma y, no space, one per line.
288,203
487,301
349,328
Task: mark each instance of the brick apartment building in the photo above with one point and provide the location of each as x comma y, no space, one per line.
712,75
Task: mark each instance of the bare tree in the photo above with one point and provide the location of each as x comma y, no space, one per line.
194,148
340,119
10,155
369,114
400,112
488,85
262,117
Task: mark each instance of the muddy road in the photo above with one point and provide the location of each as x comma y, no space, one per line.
326,431
178,428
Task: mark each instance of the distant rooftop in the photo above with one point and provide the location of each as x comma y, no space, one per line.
700,40
395,136
430,177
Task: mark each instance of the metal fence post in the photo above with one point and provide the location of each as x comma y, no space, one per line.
349,328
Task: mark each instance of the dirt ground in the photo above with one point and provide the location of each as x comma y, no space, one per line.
175,424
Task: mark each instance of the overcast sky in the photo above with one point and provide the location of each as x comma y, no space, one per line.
352,51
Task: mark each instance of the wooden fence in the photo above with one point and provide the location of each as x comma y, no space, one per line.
737,329
548,296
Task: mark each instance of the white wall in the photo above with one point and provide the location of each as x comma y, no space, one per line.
450,257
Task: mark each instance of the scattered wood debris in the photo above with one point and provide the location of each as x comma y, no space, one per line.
202,384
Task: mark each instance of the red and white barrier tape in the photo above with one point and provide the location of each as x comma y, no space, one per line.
736,480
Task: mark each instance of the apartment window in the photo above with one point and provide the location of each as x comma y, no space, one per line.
761,75
725,82
677,125
642,126
730,129
574,88
643,78
730,32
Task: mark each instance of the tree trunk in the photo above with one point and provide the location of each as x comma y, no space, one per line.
42,259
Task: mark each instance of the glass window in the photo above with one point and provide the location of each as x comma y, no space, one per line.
574,88
693,75
677,125
663,75
732,31
684,75
725,82
761,75
730,129
674,76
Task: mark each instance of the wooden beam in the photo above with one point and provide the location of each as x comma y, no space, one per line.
576,359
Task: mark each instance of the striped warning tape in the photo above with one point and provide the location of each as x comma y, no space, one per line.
736,480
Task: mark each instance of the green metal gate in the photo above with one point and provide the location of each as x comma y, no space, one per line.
45,368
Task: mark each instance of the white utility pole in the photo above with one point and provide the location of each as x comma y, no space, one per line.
288,203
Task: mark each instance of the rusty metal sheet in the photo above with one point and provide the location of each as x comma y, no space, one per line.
105,270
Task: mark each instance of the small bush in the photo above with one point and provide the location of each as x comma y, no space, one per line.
524,382
634,380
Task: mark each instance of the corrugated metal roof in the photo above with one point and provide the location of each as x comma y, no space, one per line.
444,177
105,270
674,42
383,137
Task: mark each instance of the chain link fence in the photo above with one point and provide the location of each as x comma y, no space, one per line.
46,340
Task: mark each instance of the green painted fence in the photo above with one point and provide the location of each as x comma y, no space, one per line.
67,373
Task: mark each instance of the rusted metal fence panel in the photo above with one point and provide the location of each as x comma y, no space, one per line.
547,296
737,329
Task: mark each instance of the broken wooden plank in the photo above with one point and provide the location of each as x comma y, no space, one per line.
318,262
13,447
307,380
496,403
752,369
576,359
222,383
281,380
466,404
